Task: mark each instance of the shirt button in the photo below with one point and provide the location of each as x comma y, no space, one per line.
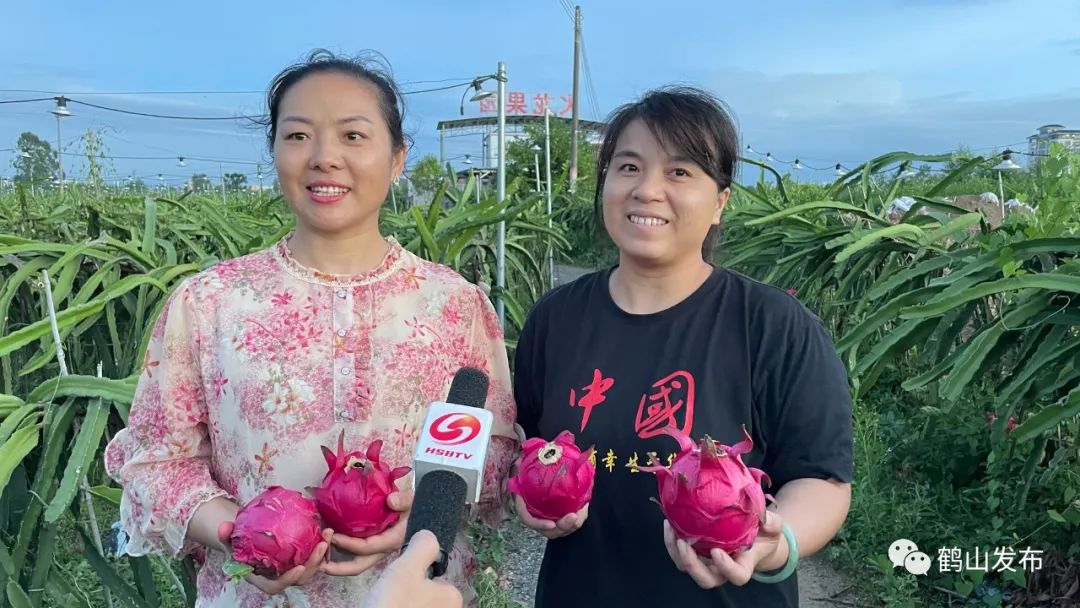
341,332
341,294
344,371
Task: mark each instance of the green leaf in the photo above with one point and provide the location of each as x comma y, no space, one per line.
74,385
1016,577
885,312
16,420
1055,516
975,352
73,314
82,456
17,596
1049,417
108,576
12,452
426,235
145,264
58,421
815,206
150,227
959,224
12,284
898,230
1051,281
112,495
896,341
937,262
954,175
235,570
144,579
1046,354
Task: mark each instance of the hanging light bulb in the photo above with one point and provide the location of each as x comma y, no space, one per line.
840,170
1007,163
798,165
61,107
468,161
749,150
181,161
768,157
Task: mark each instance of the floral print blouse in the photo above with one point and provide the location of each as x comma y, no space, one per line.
258,361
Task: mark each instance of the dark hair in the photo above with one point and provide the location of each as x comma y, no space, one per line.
375,71
692,122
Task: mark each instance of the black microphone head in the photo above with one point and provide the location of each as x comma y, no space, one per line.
438,506
469,387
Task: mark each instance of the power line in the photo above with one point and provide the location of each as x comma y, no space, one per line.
206,92
26,100
151,115
216,118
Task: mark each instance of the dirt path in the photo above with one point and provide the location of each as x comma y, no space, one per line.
820,585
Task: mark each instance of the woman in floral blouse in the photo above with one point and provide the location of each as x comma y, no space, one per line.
257,361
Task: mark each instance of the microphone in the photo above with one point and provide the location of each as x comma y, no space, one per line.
448,467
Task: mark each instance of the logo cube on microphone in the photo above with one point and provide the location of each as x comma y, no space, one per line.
455,428
454,438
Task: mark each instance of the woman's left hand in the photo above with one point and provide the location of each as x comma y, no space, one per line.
366,552
769,552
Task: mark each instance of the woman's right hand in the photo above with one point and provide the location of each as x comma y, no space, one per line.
551,529
300,575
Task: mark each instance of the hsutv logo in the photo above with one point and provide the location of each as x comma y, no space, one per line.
454,429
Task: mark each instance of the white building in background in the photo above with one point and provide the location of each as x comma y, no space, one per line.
1039,144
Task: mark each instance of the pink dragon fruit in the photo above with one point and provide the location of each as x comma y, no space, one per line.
710,497
554,478
275,532
352,498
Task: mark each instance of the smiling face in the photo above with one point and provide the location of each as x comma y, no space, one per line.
658,205
334,153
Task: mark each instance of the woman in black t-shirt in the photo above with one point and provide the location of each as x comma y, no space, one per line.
666,339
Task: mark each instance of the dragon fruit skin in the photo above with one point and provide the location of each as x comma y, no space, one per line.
710,497
352,497
554,478
276,531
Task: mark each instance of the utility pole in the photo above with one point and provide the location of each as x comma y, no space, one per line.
574,97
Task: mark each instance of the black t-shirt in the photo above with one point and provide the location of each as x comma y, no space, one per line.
735,352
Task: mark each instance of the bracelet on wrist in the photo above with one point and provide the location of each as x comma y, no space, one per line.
789,567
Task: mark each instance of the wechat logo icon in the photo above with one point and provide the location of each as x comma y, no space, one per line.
905,553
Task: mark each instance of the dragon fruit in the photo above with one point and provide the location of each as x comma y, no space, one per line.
352,498
710,497
275,532
554,478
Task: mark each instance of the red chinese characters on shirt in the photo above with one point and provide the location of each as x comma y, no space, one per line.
670,405
594,395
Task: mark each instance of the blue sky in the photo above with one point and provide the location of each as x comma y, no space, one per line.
832,82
